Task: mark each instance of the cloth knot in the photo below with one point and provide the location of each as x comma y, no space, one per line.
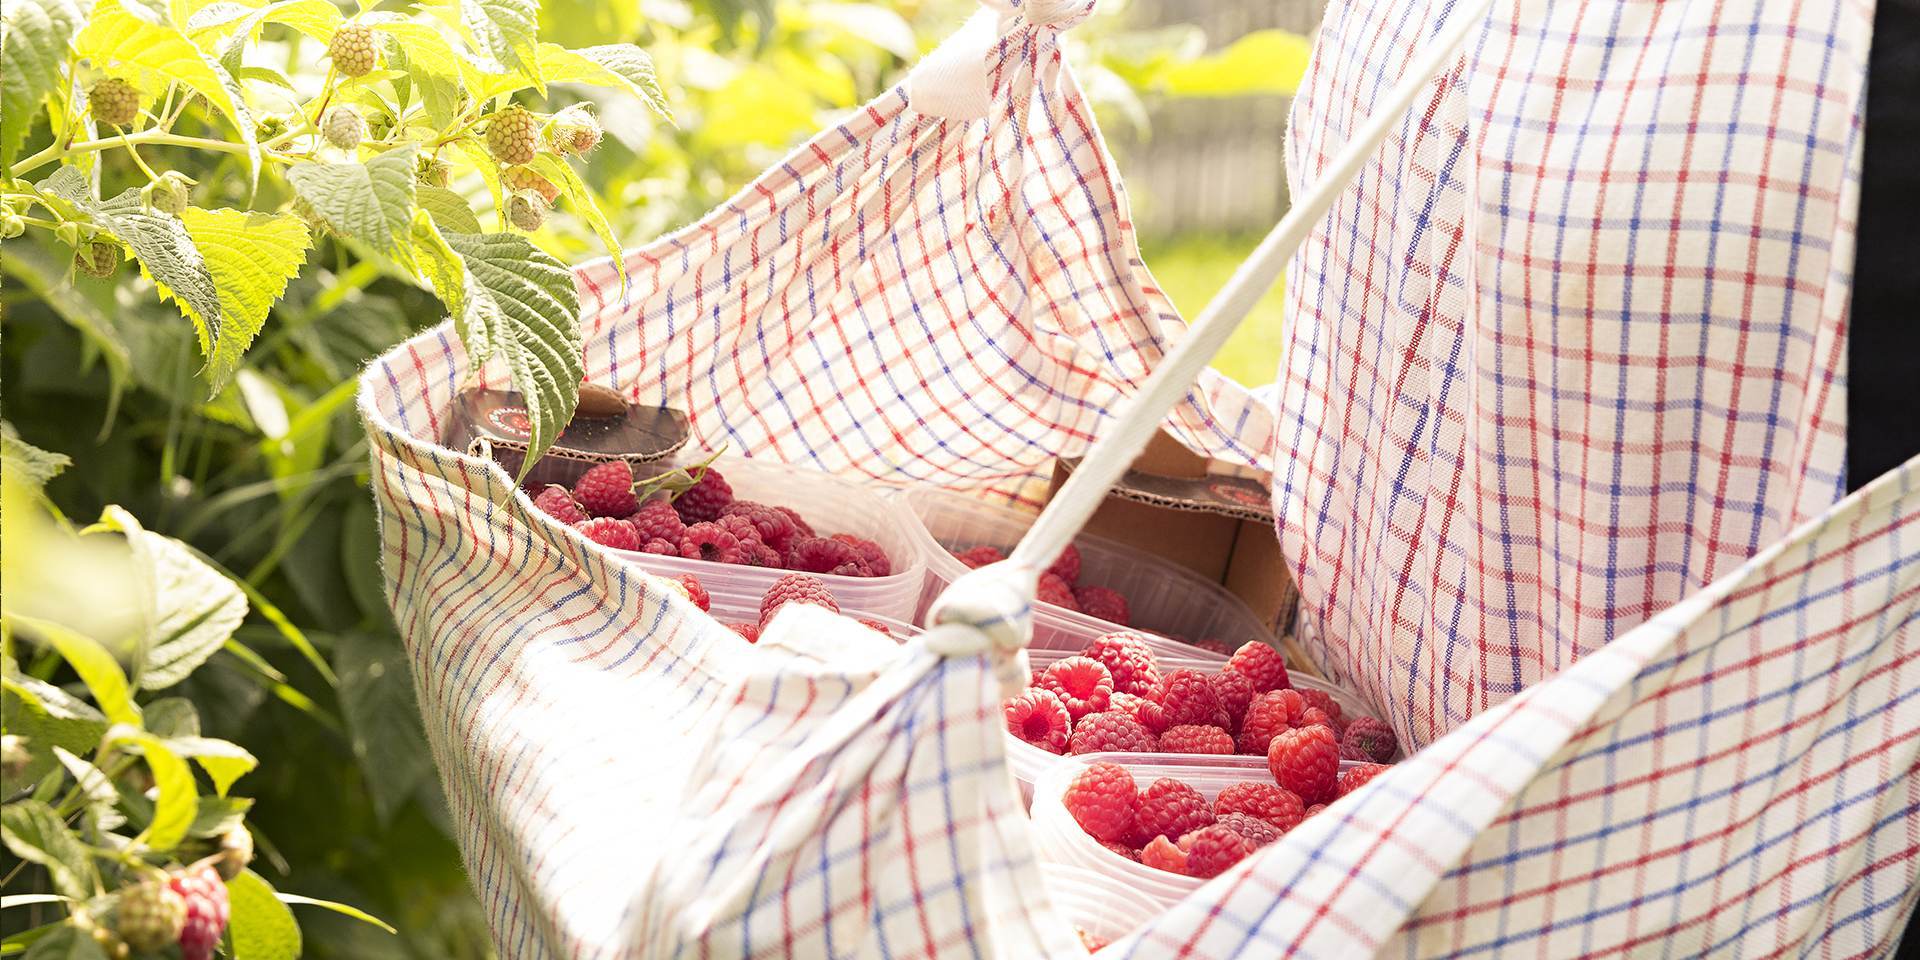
1058,14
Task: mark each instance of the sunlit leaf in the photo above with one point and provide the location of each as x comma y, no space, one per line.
32,51
35,833
369,201
506,32
620,65
251,256
262,927
95,666
194,608
26,463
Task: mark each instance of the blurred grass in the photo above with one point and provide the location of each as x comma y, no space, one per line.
1191,268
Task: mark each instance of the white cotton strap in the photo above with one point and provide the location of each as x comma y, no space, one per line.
1140,415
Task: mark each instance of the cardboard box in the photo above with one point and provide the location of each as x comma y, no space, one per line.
1209,517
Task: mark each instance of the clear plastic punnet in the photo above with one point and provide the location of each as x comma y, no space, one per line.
1094,905
830,505
1166,599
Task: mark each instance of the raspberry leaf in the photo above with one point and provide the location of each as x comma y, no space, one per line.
35,833
178,802
505,31
27,463
251,256
369,201
49,716
32,51
92,662
449,210
121,33
192,608
223,761
621,65
261,926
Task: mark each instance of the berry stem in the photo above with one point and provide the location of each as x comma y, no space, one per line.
135,154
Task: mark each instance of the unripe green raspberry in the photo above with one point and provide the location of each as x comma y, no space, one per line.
169,194
433,171
343,127
379,124
236,851
114,101
526,211
151,916
513,136
352,49
97,258
269,126
520,179
574,130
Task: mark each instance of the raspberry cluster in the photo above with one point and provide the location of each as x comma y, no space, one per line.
790,589
704,522
1060,584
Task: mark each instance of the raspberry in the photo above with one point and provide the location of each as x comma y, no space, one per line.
1368,739
609,532
559,504
800,525
1171,809
1314,716
1054,590
1187,697
513,137
526,212
236,851
1129,659
761,555
1067,565
1080,683
1268,714
207,906
1327,705
1264,801
1235,692
878,627
606,489
1039,718
352,49
97,258
169,194
656,521
1164,854
1146,711
1193,738
1306,761
706,499
706,541
775,528
1122,849
151,916
747,631
696,591
574,130
1215,848
795,588
665,548
823,555
1210,644
1261,664
871,555
742,529
1109,732
1102,800
343,127
114,101
523,179
1253,828
1103,603
1355,777
433,171
977,557
1316,808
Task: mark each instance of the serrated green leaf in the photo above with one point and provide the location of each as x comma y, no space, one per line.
612,65
264,75
194,608
96,667
27,463
581,201
377,702
224,762
217,815
251,256
450,210
216,15
178,802
371,201
522,306
437,70
172,717
32,52
118,35
35,833
64,942
435,261
48,717
261,926
507,32
489,169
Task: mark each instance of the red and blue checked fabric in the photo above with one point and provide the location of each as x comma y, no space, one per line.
1574,344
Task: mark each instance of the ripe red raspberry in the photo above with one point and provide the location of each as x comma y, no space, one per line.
1215,848
1103,603
1315,716
1355,777
559,504
1235,692
1146,711
761,555
706,541
775,528
665,548
151,916
606,489
1056,591
1327,705
1261,664
1253,828
742,529
795,588
823,555
609,532
1109,732
657,521
704,500
1171,809
696,591
747,631
1194,738
1187,697
1067,565
1164,854
1039,718
800,526
1129,659
514,137
1306,761
1265,801
1102,800
1081,683
206,899
1268,714
1368,739
1209,644
871,555
1122,849
114,101
976,557
352,50
878,627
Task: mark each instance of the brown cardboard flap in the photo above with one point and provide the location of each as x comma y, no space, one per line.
1229,495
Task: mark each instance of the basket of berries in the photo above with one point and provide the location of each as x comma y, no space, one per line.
747,616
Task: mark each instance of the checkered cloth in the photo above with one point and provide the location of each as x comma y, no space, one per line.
957,299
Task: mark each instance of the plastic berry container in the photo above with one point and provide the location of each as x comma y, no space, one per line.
830,505
1165,599
732,609
1094,905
